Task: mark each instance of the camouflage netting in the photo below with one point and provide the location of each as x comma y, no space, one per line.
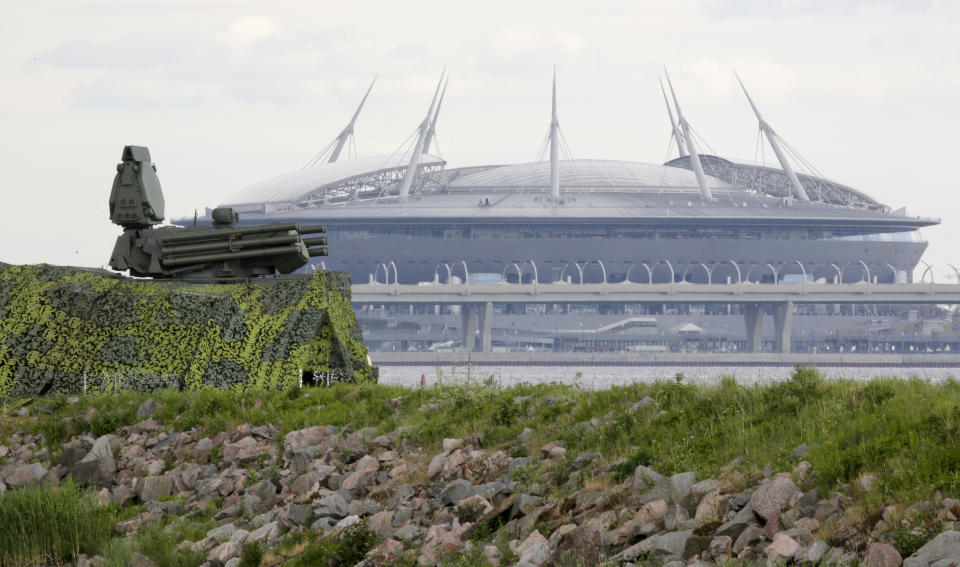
63,330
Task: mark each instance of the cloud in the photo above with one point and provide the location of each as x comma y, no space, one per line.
242,32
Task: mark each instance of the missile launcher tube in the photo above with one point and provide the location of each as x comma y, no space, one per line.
227,256
195,235
315,241
318,252
231,244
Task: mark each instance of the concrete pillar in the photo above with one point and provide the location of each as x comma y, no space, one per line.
782,321
469,315
486,327
753,317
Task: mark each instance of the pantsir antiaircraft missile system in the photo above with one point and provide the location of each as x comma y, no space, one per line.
223,252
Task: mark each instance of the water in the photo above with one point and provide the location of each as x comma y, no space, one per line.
600,377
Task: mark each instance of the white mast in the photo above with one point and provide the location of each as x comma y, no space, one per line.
691,145
348,131
418,149
675,132
433,123
775,144
554,135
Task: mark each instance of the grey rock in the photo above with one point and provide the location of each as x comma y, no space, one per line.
681,484
333,506
946,545
146,408
265,492
812,555
720,548
71,456
772,497
407,533
645,478
673,544
800,451
266,532
455,492
697,492
582,461
222,533
882,555
27,475
750,536
489,491
155,487
451,444
636,406
299,514
90,474
169,507
102,454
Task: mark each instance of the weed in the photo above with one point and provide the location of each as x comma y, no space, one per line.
52,524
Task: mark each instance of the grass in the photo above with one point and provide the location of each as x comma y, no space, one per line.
50,525
906,432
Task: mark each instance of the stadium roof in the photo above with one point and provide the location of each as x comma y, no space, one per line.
299,185
585,174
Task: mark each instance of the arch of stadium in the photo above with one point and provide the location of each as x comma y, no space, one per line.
619,220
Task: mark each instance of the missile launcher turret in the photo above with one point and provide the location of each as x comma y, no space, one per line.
222,252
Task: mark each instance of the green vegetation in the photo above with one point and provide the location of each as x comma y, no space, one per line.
904,432
49,524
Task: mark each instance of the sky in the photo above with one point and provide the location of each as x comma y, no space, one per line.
228,93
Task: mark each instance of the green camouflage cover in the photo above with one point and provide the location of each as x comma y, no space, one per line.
66,330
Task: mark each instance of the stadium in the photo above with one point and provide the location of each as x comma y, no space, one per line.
697,218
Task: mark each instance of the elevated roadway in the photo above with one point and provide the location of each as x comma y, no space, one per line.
477,299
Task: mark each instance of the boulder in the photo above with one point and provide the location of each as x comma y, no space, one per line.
146,408
772,496
155,487
225,552
472,508
268,531
579,546
812,555
455,492
534,551
782,550
720,548
645,478
882,555
102,454
222,533
299,514
26,475
303,438
944,546
332,506
440,539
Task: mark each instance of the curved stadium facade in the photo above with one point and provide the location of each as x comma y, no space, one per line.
615,217
698,218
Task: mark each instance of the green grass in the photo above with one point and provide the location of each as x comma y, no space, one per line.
905,431
50,525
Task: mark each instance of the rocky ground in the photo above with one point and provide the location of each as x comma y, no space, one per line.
514,505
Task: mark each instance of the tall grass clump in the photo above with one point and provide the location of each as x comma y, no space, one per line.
40,525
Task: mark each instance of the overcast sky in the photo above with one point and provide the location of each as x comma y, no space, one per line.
229,93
